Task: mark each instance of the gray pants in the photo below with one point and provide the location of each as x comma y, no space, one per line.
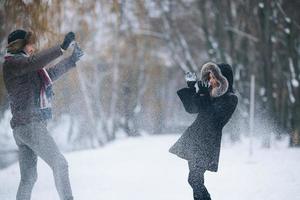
34,140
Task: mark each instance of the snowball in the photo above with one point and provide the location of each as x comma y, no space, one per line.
215,45
287,31
262,91
295,83
288,20
261,5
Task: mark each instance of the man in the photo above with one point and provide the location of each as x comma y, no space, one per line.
214,102
29,87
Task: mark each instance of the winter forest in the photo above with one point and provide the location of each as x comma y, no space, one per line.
117,113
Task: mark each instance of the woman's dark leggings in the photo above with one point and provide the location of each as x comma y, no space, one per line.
196,181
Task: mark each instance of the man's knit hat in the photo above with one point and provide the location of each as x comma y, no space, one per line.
18,39
15,35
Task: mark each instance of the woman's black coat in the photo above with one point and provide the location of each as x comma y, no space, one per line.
202,140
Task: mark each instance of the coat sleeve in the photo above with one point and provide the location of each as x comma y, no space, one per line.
22,65
60,68
223,110
193,102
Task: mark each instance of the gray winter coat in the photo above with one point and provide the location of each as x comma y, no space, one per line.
23,83
202,140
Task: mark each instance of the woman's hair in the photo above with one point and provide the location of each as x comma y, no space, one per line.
216,71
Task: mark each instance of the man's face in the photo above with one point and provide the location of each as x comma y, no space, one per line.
29,49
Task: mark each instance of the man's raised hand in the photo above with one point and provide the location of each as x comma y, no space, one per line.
70,37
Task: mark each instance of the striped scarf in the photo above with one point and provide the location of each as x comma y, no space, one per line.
46,92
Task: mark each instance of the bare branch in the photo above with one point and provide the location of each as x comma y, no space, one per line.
242,34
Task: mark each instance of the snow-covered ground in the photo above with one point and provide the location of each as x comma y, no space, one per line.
142,169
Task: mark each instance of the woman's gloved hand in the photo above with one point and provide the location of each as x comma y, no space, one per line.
191,79
70,37
203,88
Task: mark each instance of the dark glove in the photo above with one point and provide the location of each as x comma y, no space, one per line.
191,84
203,88
70,37
191,79
77,53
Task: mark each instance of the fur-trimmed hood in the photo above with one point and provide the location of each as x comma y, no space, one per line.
222,72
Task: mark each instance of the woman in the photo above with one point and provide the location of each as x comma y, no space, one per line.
29,87
200,143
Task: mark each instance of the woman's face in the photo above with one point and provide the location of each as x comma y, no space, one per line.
213,81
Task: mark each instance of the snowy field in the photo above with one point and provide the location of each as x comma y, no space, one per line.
142,169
